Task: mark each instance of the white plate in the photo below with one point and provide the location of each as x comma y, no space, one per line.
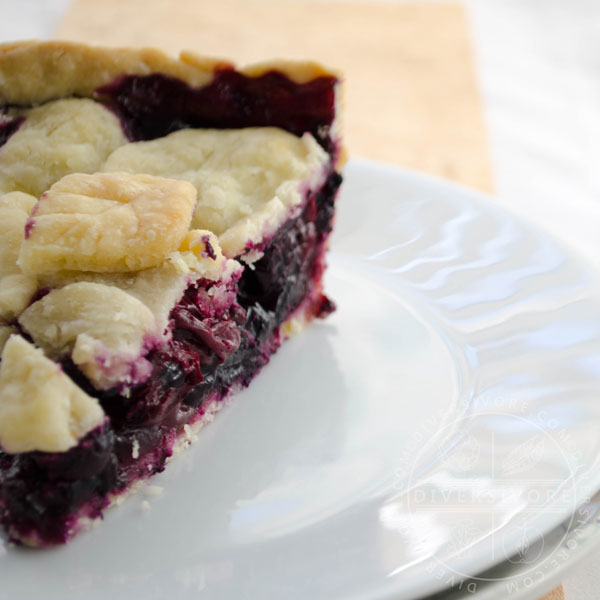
444,417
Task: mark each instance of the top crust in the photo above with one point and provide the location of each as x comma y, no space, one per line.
107,222
33,72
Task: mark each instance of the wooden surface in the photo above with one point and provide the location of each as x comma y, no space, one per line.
411,92
556,594
411,96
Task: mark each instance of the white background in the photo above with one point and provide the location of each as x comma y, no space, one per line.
538,63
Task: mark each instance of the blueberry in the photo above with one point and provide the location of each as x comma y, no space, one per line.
172,375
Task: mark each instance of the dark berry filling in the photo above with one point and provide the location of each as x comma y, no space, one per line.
8,127
43,494
215,346
152,106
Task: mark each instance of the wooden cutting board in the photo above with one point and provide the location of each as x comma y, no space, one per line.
411,90
411,93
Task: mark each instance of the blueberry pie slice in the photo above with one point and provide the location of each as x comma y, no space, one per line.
163,224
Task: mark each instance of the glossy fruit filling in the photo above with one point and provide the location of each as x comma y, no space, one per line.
155,105
152,106
223,334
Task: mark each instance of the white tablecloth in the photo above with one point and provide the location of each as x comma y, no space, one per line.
538,63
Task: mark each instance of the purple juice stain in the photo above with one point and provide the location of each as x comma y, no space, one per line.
209,250
29,225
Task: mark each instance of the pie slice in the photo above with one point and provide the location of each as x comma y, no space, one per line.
163,228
